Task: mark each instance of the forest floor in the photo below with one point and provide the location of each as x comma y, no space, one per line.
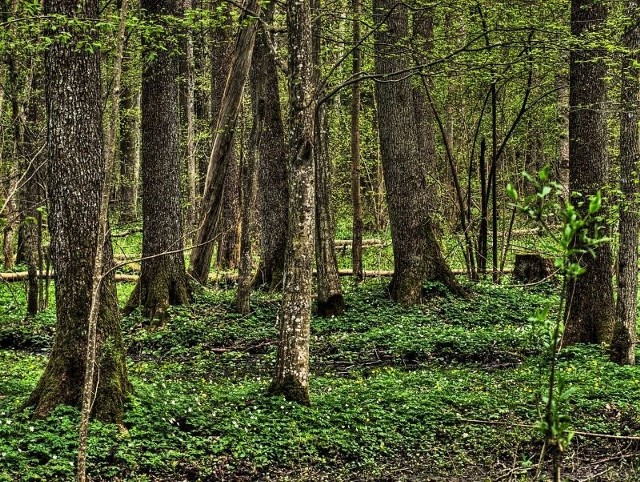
448,390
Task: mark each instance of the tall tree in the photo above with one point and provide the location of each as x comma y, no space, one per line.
76,173
330,299
357,223
590,305
623,343
416,252
272,177
292,362
220,159
163,279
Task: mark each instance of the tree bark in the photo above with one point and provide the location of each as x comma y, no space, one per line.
163,279
330,300
248,192
623,343
590,305
357,223
75,177
129,154
272,176
292,361
219,161
562,162
416,252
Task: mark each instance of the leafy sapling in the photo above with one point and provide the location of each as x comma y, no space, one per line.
578,237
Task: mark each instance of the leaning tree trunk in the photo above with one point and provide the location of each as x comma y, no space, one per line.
163,279
272,176
590,305
292,361
75,183
416,252
220,158
330,299
623,343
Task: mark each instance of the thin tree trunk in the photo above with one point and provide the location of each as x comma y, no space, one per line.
248,193
330,300
202,251
562,163
357,224
292,361
623,343
163,279
590,304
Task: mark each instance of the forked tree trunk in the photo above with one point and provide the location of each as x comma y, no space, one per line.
163,279
220,159
416,252
292,361
330,300
272,176
623,343
75,180
590,305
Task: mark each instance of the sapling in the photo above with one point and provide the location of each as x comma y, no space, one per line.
578,237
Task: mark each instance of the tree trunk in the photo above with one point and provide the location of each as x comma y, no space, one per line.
31,199
272,176
357,224
222,147
562,162
623,343
330,300
248,192
75,177
229,225
129,155
163,279
187,99
292,362
416,252
590,306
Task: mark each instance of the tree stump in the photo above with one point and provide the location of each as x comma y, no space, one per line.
531,268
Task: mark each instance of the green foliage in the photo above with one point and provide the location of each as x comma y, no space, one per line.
391,387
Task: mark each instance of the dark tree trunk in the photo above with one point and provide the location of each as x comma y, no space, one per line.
292,362
129,153
357,224
330,300
416,252
163,279
590,305
221,159
623,343
272,176
75,177
31,199
229,231
249,176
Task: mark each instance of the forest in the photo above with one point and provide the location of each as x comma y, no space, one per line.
319,240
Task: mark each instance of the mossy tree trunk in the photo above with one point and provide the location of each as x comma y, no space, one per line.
272,176
416,252
590,304
623,343
292,362
163,279
75,181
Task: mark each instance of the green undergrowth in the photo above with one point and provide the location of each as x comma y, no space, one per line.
449,389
